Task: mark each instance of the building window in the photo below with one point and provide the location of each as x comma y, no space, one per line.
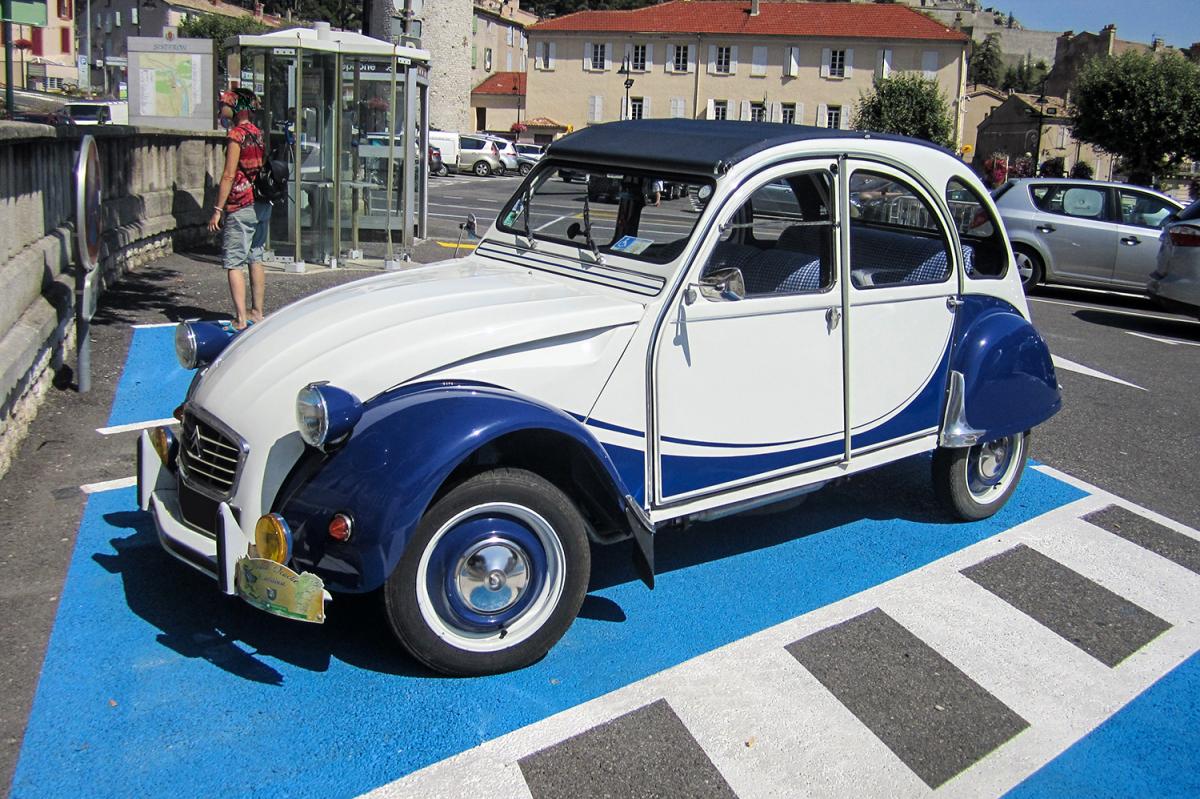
508,33
680,61
929,63
545,59
636,107
598,56
678,107
487,59
54,84
788,113
64,9
833,116
65,40
508,61
837,63
720,109
723,57
637,58
474,56
758,112
595,108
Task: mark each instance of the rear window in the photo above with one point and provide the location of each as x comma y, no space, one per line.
1083,202
984,254
1191,212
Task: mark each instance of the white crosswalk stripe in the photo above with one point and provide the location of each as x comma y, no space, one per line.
768,725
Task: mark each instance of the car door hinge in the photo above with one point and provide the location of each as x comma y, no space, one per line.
953,302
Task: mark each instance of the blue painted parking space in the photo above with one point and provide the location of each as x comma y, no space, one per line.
152,383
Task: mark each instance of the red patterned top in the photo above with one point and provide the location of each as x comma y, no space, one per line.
250,161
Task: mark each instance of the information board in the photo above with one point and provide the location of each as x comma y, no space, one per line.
171,83
24,12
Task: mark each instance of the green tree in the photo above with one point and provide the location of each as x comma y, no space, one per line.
906,103
1143,107
219,29
985,61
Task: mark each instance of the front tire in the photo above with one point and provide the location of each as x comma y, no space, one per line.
974,482
1030,267
482,169
493,576
442,171
526,169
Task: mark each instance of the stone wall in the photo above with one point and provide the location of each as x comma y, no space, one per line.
155,187
446,34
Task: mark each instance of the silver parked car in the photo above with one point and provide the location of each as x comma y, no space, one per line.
1083,232
479,155
1175,284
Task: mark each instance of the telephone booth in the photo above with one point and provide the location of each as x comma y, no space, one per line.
351,115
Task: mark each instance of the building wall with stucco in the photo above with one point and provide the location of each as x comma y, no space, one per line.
446,34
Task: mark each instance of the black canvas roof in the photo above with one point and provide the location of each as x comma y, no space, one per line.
691,145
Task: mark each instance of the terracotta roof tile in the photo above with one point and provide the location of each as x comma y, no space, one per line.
544,122
832,20
508,83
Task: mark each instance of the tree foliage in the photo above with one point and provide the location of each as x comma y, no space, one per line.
908,104
556,8
1143,107
1025,77
220,28
985,61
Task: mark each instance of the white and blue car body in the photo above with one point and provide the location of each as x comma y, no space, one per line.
459,435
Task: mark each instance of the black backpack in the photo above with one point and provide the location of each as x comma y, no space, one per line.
271,181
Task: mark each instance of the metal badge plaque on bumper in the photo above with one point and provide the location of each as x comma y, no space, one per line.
275,588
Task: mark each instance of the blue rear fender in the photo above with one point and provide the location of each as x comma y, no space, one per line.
409,442
1008,376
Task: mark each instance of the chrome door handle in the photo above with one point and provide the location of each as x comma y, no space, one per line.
1045,228
1131,240
953,302
833,317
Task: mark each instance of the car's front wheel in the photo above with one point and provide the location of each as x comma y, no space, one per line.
494,575
975,482
525,169
1029,266
482,169
442,171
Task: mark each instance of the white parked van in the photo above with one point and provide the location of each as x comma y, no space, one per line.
98,112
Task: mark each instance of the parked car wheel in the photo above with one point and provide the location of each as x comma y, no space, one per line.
526,169
442,171
975,482
494,575
482,168
1030,267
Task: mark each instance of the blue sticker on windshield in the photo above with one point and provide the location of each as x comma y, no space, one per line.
631,244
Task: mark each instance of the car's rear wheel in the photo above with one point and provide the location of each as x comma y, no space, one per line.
975,482
1029,266
482,169
442,171
525,169
493,577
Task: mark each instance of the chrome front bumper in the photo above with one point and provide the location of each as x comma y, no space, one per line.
158,492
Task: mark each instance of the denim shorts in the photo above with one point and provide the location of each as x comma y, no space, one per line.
246,235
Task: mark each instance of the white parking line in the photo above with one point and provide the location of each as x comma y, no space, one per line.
1062,363
156,324
1106,309
1171,341
108,485
126,428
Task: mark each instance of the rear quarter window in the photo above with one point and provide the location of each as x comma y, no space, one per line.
984,254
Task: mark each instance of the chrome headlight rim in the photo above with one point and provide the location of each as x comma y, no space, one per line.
186,347
198,344
310,400
325,414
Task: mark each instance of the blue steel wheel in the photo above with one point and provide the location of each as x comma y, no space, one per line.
975,482
493,576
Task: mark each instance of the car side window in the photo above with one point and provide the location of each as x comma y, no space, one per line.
1084,202
1143,210
895,236
984,255
781,238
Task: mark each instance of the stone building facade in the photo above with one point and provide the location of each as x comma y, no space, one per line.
1042,130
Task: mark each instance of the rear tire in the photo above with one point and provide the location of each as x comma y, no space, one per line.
442,171
525,169
494,574
482,169
1030,267
973,483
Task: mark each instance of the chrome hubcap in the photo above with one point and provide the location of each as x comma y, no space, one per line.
993,458
492,575
1024,267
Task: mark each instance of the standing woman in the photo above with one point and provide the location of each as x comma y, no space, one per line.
246,220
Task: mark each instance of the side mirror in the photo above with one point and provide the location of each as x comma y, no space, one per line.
726,285
574,230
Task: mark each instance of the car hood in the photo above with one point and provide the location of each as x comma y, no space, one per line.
371,335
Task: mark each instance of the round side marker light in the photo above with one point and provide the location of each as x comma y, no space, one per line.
340,527
164,443
273,538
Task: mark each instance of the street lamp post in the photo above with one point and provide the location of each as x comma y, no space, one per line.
1041,102
625,70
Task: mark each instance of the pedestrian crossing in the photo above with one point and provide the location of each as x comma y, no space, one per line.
964,678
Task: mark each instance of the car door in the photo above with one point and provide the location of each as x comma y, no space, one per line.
901,312
748,368
1142,216
1075,226
468,151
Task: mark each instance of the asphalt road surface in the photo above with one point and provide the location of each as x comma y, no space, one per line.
857,645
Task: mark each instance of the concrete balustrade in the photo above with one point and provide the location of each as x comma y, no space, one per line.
156,187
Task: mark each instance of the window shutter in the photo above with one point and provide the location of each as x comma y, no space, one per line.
883,63
929,63
508,60
691,58
649,56
670,62
587,56
550,61
793,62
759,64
745,112
733,59
712,59
645,108
776,112
624,109
628,55
799,113
849,64
608,53
822,115
845,117
710,111
825,56
677,106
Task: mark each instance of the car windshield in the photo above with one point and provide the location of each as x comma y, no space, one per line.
632,213
85,111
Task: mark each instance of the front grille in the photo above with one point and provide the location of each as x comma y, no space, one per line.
208,458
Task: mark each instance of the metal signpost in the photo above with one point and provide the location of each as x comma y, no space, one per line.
87,239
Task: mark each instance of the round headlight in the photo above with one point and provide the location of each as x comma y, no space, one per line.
326,414
185,345
273,538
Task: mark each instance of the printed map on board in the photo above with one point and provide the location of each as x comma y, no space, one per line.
170,84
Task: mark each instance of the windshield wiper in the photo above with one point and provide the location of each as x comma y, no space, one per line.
587,231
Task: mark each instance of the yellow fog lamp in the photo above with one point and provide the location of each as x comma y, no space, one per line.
166,445
273,538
